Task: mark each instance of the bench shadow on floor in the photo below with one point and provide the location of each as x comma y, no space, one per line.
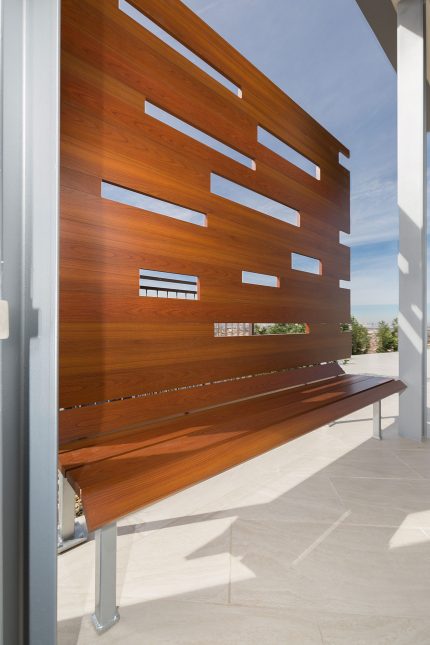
321,540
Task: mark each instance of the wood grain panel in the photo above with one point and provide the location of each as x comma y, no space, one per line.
115,343
97,367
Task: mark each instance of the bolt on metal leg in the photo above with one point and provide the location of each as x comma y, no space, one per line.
106,612
377,429
71,531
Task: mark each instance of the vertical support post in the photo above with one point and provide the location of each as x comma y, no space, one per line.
106,611
72,531
30,40
66,510
377,429
411,93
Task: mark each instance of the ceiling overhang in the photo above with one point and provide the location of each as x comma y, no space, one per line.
382,18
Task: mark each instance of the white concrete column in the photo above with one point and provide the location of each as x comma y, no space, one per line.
411,82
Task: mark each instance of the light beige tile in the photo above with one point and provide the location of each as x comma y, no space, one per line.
359,463
185,559
374,630
385,502
172,622
418,460
293,498
344,569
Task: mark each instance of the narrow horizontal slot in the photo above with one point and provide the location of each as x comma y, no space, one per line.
224,330
172,42
249,198
159,284
344,284
306,264
198,135
248,277
148,203
287,152
345,327
282,329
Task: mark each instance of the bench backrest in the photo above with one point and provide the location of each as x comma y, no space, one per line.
158,312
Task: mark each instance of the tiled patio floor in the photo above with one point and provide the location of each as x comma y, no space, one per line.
325,540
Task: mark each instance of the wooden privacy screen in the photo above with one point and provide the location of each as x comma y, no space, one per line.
118,340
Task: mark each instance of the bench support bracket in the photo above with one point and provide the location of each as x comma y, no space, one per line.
71,531
106,612
377,430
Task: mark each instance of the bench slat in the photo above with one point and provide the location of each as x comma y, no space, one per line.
97,420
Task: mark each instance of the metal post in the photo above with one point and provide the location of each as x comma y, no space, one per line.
377,429
71,531
66,510
29,402
411,79
106,611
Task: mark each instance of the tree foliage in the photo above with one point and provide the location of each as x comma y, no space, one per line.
387,336
360,337
280,328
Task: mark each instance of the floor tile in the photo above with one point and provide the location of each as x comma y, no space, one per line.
173,622
374,630
338,568
385,502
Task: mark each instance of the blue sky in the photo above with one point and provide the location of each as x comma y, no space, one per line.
325,56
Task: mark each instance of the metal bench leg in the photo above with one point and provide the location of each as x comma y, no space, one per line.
70,531
66,508
377,430
106,612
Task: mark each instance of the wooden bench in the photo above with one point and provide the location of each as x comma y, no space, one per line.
124,469
120,470
156,394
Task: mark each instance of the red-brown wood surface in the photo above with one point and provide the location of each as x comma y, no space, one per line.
136,357
268,406
114,483
115,343
93,421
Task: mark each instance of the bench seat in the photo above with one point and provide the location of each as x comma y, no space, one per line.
118,473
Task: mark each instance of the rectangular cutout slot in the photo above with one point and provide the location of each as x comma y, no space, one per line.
147,202
344,161
284,150
172,42
197,135
249,198
224,330
306,264
344,284
248,277
159,284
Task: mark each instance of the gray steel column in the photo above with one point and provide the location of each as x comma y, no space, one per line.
42,98
106,612
412,211
29,200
